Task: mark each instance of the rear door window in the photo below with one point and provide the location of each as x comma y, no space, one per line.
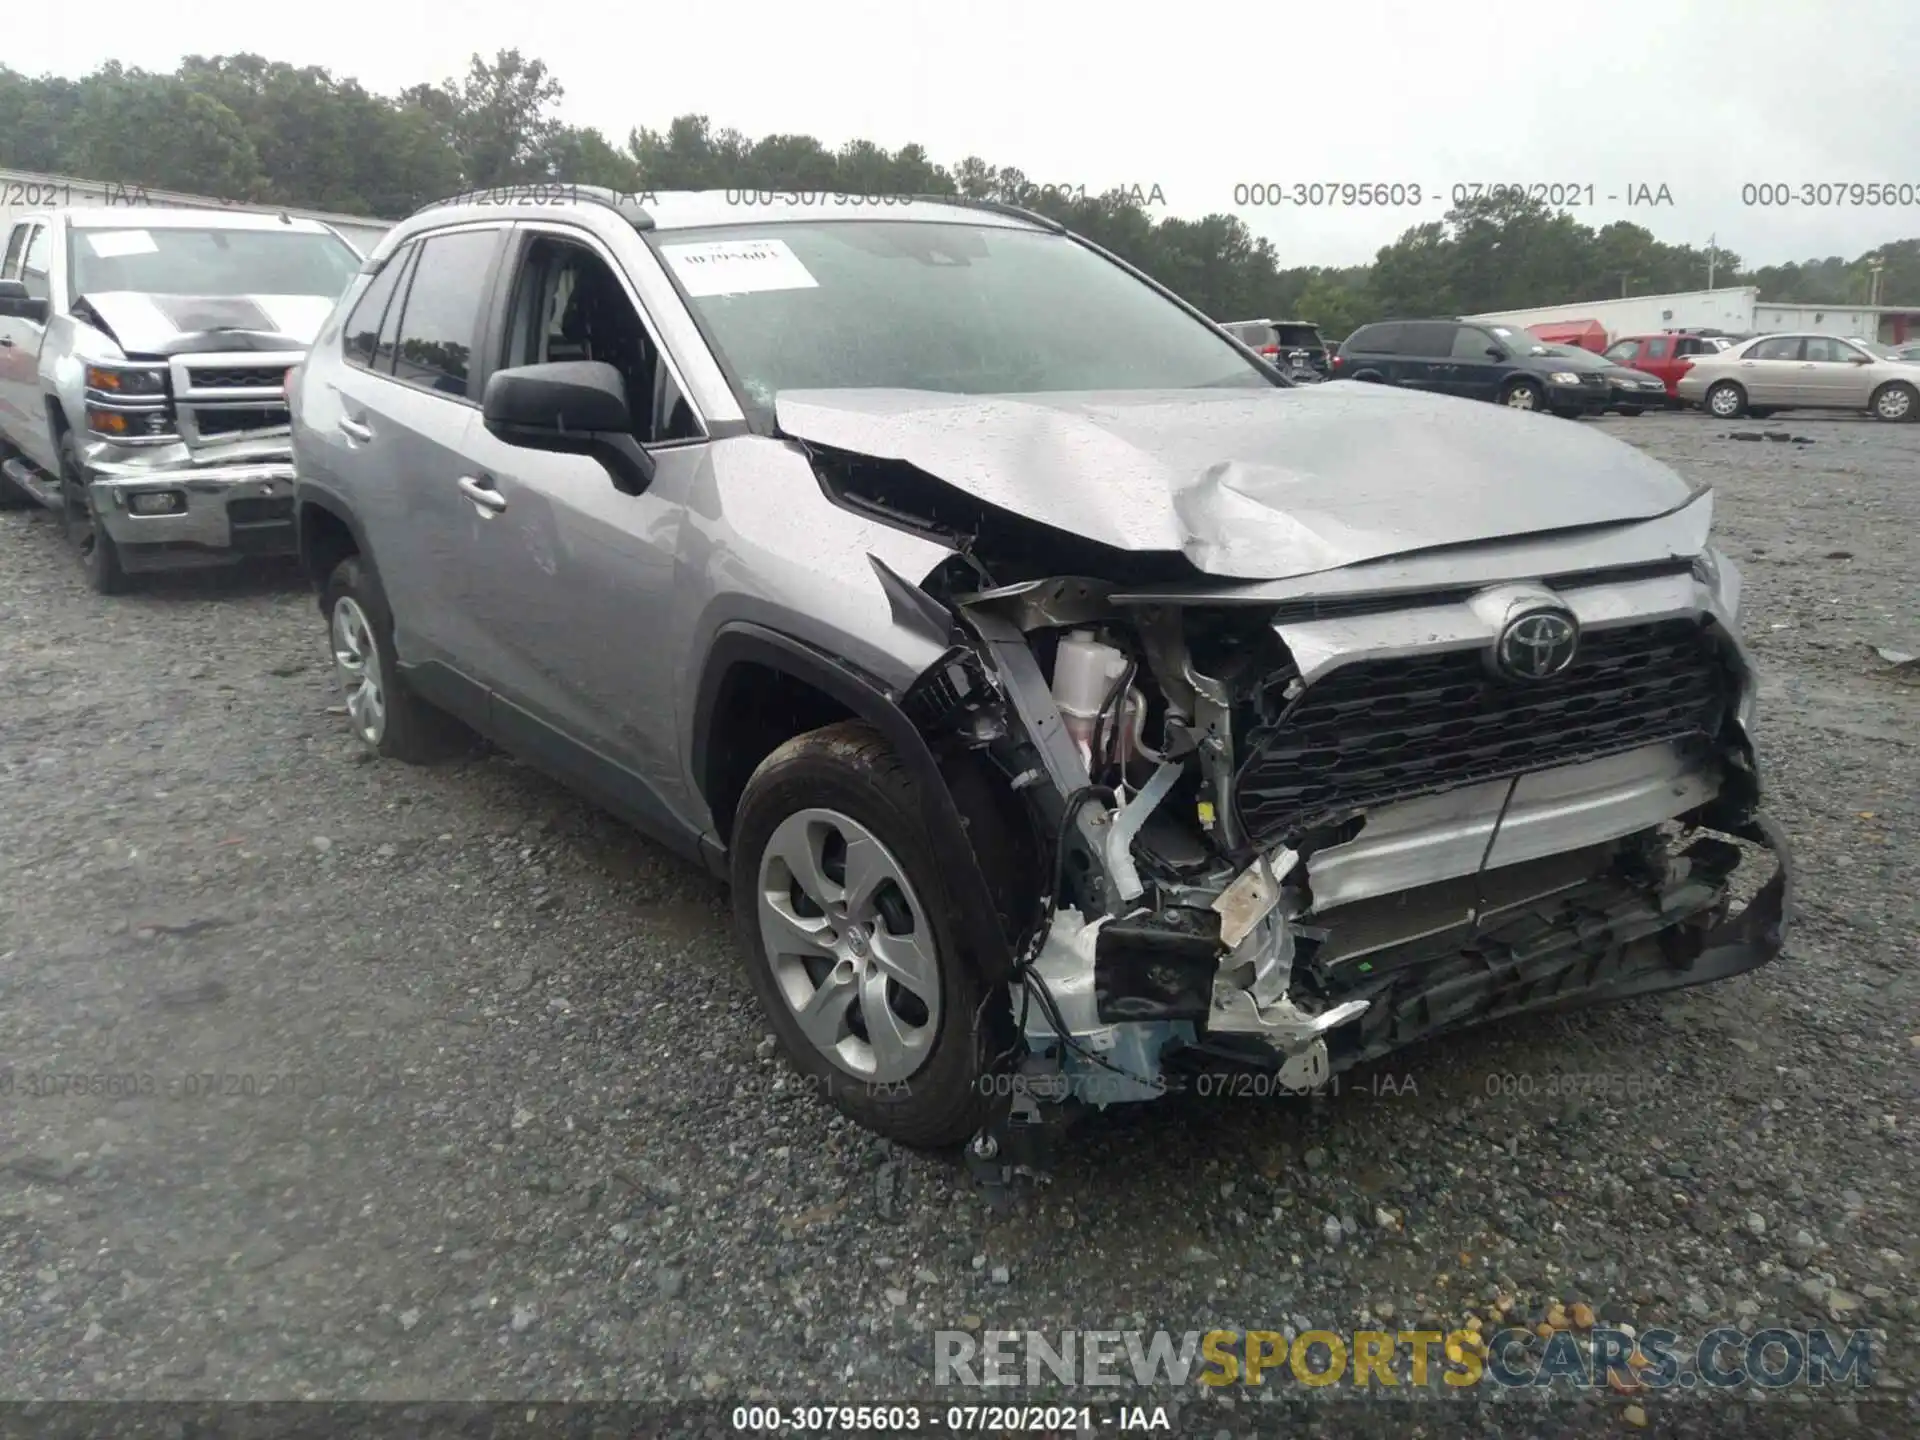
16,243
1425,338
440,321
1657,348
36,264
363,325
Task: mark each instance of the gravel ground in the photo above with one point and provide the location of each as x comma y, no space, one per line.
448,1086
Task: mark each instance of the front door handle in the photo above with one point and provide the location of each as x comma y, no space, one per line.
482,494
6,342
354,430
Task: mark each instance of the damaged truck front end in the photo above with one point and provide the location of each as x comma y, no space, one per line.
1294,825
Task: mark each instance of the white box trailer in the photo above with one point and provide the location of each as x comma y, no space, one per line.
1733,309
23,191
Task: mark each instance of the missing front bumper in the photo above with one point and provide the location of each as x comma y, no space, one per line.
1559,936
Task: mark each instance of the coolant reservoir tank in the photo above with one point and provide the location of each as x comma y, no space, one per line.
1084,672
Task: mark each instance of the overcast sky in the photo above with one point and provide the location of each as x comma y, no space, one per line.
1699,96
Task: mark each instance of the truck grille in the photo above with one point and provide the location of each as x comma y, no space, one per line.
227,377
233,421
1373,732
225,398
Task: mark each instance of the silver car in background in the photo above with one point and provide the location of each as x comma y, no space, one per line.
1801,372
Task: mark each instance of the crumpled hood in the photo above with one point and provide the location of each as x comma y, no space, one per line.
1253,485
146,324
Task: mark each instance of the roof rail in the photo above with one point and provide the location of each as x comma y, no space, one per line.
624,203
997,207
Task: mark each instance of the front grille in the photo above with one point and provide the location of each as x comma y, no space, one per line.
236,378
1373,732
229,421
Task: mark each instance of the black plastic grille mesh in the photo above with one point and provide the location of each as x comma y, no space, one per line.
1385,730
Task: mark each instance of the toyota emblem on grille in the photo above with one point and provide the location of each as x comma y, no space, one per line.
1536,645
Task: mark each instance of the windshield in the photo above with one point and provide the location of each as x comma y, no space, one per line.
166,261
1519,341
925,305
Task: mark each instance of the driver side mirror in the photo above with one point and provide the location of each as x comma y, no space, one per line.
17,304
1860,360
569,407
1494,352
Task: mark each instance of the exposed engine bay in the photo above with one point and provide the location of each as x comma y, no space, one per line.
1298,834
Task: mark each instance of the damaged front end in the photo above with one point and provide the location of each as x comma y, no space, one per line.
1295,832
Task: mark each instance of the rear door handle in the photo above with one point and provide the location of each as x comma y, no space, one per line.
354,430
482,494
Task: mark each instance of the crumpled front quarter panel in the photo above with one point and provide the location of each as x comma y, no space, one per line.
762,544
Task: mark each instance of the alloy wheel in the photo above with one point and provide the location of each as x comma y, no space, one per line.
356,658
850,946
1894,403
1521,397
1725,402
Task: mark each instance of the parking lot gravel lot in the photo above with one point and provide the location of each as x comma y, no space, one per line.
446,1085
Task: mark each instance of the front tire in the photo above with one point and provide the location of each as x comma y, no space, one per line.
1895,403
99,556
1630,411
1726,401
847,925
386,717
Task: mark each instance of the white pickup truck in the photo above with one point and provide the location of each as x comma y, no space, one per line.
143,360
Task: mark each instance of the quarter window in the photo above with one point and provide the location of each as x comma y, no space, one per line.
440,323
1376,339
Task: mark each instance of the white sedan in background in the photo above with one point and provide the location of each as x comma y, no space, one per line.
1800,372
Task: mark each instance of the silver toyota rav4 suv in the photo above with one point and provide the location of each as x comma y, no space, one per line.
1074,706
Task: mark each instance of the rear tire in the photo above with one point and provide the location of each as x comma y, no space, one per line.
1523,395
887,962
386,717
1725,400
99,556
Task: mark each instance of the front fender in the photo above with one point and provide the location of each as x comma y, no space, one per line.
743,643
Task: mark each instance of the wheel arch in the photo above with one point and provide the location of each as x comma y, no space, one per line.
730,737
326,531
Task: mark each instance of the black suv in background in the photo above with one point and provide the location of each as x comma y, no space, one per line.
1476,362
1276,339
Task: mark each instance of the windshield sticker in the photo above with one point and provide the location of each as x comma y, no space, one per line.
108,244
738,267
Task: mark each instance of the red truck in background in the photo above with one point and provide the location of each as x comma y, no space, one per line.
1667,355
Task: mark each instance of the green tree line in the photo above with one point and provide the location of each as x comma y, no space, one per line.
247,128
